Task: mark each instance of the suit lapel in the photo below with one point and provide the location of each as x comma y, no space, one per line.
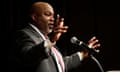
37,38
33,34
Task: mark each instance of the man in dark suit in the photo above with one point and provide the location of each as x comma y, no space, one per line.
36,50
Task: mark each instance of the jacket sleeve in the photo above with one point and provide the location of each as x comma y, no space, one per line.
72,61
28,50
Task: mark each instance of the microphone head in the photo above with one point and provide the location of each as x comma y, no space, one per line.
74,40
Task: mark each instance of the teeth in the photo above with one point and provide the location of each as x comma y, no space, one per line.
51,26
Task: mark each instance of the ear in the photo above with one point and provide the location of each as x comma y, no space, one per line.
33,16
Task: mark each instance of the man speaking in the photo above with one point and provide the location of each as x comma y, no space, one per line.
36,51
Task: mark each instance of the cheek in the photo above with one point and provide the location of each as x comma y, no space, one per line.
43,20
43,23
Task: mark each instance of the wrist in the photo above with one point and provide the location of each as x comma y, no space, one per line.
52,40
84,54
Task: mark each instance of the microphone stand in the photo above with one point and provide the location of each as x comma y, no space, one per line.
91,52
97,62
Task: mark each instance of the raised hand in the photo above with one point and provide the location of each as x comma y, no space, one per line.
58,29
93,43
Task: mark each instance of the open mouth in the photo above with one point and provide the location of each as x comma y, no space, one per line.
51,26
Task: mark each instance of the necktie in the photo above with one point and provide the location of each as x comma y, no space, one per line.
59,57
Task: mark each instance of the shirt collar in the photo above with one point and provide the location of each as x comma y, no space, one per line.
36,29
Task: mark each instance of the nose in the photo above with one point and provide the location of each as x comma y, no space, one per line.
52,19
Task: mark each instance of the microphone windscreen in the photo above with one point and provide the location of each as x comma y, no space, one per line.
74,40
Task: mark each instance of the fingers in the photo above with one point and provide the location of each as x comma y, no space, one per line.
92,39
59,25
61,29
94,42
57,20
61,22
96,46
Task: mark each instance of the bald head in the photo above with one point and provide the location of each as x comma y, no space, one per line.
38,7
42,15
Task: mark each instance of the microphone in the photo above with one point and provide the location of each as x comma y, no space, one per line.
74,40
91,51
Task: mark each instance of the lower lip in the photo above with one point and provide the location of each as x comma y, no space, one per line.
51,26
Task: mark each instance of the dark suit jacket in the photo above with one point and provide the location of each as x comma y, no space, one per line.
32,56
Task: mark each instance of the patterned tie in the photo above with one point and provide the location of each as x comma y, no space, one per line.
59,57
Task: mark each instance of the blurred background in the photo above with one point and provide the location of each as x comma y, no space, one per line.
85,18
